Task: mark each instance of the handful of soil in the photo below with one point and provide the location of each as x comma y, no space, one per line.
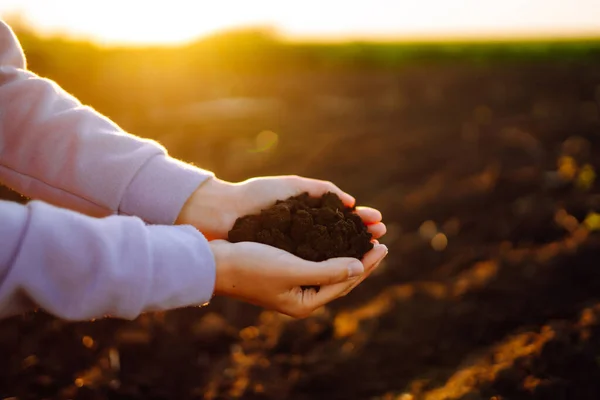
314,229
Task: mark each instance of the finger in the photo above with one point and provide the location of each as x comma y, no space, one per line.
374,255
335,270
377,230
369,215
331,292
364,276
317,188
382,252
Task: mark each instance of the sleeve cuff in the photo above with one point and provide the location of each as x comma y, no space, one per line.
160,189
184,272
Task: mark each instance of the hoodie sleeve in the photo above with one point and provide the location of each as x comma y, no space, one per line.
54,148
79,267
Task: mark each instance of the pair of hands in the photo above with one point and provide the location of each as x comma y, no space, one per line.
264,275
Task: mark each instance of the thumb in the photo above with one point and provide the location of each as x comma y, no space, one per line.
327,272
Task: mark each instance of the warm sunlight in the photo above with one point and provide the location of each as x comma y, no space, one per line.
129,21
112,21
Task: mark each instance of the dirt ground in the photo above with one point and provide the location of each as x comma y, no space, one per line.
485,176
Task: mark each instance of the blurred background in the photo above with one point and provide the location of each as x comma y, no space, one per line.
474,126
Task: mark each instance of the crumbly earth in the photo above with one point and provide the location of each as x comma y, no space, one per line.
315,229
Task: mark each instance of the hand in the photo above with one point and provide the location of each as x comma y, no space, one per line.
271,278
216,204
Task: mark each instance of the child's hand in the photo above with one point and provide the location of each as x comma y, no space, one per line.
215,206
271,278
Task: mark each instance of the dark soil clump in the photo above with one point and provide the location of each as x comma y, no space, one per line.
315,229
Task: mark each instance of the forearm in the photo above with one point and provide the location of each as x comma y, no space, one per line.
54,148
78,267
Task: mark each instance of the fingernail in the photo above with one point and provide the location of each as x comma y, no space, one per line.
385,248
384,254
355,268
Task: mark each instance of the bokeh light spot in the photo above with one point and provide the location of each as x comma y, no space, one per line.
345,325
87,342
266,140
428,230
592,221
348,347
439,242
567,167
586,177
30,361
114,359
567,221
249,333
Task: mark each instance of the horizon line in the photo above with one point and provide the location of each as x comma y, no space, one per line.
278,33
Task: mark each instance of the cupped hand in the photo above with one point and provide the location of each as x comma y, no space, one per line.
216,204
272,278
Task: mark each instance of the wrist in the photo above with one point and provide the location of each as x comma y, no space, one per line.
208,208
221,253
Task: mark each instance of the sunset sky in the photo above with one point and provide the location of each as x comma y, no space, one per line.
141,22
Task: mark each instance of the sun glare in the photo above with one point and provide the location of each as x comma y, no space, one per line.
132,22
175,21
